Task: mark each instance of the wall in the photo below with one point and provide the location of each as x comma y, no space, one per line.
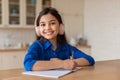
16,36
102,28
72,14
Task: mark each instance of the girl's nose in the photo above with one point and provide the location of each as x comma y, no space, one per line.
47,26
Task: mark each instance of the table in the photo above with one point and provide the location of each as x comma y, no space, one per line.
102,70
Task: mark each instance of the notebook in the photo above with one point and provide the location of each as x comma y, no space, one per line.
57,73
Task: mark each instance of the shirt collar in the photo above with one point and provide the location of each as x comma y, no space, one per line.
48,44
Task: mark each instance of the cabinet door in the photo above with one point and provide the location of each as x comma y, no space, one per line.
14,12
10,13
13,59
19,13
30,11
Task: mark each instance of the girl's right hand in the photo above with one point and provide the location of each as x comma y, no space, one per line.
69,64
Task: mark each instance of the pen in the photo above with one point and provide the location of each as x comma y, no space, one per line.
72,55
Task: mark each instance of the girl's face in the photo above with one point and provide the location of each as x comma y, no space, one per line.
49,27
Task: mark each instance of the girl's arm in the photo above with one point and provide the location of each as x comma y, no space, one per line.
47,65
82,59
54,63
81,62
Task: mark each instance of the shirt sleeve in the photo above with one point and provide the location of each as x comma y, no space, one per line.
31,56
80,54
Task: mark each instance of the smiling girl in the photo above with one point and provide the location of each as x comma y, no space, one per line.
51,49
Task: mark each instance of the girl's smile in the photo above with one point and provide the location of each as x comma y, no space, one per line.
49,27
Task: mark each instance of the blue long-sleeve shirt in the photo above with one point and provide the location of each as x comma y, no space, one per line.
43,51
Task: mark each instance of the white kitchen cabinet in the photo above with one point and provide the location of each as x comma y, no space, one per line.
12,59
19,13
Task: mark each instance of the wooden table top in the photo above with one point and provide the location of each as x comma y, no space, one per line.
103,70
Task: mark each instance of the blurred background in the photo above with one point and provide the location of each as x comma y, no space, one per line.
91,25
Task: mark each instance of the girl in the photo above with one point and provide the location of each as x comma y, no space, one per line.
51,50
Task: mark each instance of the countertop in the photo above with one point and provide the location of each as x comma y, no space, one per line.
26,48
12,49
82,46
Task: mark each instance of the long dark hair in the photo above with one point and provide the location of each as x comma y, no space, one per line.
60,38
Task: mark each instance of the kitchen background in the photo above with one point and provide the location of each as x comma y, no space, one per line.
20,34
97,21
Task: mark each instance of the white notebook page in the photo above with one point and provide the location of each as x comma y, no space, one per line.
50,73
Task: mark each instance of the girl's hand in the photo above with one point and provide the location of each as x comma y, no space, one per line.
69,64
65,64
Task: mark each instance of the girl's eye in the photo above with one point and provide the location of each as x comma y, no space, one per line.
42,25
53,23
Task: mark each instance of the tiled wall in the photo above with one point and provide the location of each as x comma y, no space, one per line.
16,36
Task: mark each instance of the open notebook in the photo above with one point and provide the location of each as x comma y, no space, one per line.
50,73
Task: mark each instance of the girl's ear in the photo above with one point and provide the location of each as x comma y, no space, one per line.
37,30
61,30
